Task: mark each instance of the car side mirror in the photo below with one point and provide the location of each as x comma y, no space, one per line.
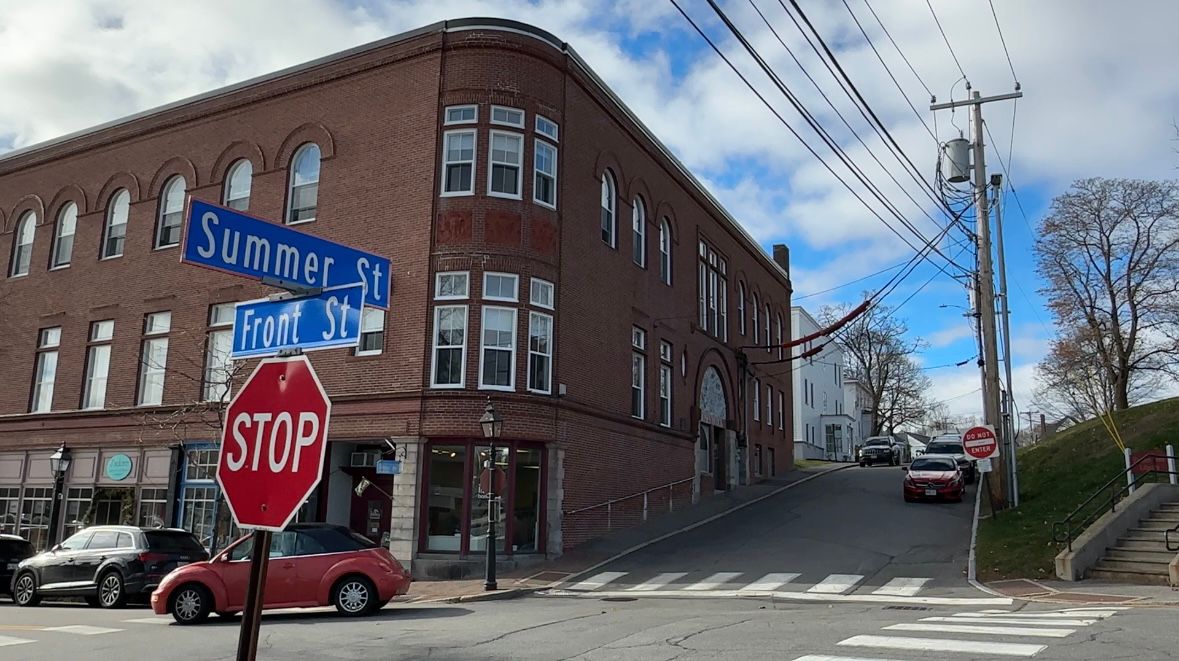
56,548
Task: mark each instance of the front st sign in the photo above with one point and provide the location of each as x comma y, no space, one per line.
330,319
273,443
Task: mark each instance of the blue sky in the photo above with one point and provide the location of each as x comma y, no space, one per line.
1100,99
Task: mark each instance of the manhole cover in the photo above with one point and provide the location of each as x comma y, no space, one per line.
619,599
905,608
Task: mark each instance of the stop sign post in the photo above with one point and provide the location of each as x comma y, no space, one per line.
980,442
272,452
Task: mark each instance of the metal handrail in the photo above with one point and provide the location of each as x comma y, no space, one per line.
633,495
1062,531
1171,546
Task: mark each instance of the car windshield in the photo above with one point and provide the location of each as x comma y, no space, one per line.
169,541
932,464
877,441
944,448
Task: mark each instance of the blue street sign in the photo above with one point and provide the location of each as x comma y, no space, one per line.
388,467
226,240
328,320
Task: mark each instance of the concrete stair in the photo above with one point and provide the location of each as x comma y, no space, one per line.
1141,554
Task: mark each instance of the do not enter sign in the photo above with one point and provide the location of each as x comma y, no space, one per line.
272,446
980,442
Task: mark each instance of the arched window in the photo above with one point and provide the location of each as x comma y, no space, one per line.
753,318
171,213
638,226
304,185
237,185
22,244
779,320
609,219
63,237
741,308
115,233
769,337
665,251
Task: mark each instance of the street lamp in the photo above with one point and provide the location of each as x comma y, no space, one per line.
493,426
59,463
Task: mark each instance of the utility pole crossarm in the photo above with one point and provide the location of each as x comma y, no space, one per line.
976,100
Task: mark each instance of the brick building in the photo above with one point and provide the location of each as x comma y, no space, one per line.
547,250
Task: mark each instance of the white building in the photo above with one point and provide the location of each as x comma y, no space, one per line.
822,426
857,401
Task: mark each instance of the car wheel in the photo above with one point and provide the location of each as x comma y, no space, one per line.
111,592
191,604
24,591
354,595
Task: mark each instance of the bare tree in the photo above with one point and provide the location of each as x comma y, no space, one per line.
1109,252
877,353
1073,382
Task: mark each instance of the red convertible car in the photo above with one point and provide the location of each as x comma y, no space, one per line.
311,564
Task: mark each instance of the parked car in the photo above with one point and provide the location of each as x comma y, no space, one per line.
880,450
311,564
13,549
950,445
935,478
105,564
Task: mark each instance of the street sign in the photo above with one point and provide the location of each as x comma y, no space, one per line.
984,465
388,467
327,320
980,442
230,241
273,443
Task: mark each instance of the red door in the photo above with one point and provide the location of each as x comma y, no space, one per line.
281,573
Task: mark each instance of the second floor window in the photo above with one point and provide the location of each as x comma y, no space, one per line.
218,367
171,213
238,184
501,287
665,354
303,193
638,224
714,293
48,340
115,232
22,244
98,364
458,163
154,358
372,332
450,346
504,169
609,218
741,308
665,252
63,238
497,362
540,352
757,399
638,373
544,188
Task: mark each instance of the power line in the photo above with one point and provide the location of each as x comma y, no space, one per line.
900,52
947,40
1004,42
851,282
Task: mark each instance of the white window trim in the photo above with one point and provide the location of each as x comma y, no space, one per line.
162,210
552,291
547,205
781,410
229,175
523,116
665,368
446,121
556,128
463,350
26,217
642,414
511,387
638,338
57,237
490,166
516,290
757,400
548,389
442,192
370,352
608,181
665,250
452,297
638,229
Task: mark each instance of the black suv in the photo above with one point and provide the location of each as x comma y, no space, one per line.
105,564
13,549
880,450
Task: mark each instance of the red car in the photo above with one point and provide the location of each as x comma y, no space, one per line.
934,478
311,564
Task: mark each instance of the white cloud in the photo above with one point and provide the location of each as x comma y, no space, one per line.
950,334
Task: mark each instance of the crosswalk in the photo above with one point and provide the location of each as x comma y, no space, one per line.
71,629
983,634
784,585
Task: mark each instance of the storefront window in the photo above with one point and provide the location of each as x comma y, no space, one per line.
526,510
198,512
446,497
9,509
480,485
77,507
34,516
153,507
202,510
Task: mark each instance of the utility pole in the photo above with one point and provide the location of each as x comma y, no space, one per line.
1005,318
992,413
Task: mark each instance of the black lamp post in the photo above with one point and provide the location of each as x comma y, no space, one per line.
59,463
493,426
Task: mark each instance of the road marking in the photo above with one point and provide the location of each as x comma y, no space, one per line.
83,629
836,584
824,657
798,596
659,581
1011,620
1093,609
598,580
713,582
5,641
770,582
942,645
998,631
151,620
902,587
1097,615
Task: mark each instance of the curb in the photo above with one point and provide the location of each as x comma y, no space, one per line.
714,517
498,595
971,564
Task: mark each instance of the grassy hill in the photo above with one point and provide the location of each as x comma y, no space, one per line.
1056,476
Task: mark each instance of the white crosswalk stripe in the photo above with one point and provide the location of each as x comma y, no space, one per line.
770,582
944,645
902,587
598,580
825,657
836,584
5,641
659,581
1033,632
1011,620
82,629
714,582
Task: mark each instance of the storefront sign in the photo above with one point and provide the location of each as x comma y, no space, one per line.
118,467
388,467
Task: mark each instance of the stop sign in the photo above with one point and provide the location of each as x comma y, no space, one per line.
273,443
980,442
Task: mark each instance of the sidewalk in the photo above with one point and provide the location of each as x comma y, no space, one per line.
588,556
1088,592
